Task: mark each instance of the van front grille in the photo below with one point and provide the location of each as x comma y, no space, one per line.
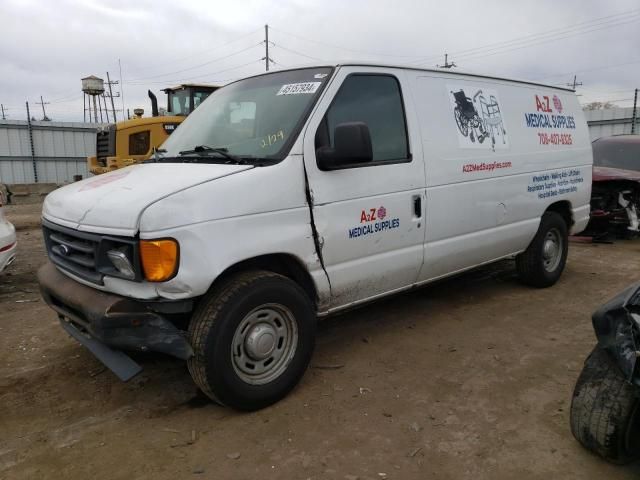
84,254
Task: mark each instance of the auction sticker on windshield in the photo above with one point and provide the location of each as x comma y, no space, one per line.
298,88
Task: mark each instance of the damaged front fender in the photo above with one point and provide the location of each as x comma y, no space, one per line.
617,327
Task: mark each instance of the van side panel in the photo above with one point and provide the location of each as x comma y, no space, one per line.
497,155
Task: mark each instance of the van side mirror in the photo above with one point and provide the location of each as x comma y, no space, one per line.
352,146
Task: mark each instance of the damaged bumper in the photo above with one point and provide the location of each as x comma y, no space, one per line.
106,323
617,327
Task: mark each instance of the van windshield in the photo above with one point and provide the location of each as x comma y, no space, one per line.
257,117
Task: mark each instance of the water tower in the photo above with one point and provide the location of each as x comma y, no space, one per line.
93,86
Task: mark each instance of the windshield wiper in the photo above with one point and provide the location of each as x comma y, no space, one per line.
206,150
156,155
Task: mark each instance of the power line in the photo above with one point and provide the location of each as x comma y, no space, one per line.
195,66
606,21
602,67
66,99
211,74
199,54
277,45
548,40
544,37
340,47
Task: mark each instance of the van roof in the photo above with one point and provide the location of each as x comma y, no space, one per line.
413,67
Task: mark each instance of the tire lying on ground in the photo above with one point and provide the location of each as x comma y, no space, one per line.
605,410
542,263
253,336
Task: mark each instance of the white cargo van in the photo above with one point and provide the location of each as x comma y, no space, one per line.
299,193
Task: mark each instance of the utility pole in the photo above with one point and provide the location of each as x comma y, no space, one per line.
33,153
2,108
575,83
106,110
121,87
446,63
266,57
44,114
113,107
634,114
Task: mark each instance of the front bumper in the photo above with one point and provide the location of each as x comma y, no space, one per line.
107,323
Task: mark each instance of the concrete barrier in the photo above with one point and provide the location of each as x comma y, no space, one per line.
27,193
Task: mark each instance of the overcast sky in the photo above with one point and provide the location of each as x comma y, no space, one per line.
47,46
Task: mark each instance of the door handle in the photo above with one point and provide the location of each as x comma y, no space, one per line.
417,206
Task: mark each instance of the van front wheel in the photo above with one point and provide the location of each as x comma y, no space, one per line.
252,337
542,263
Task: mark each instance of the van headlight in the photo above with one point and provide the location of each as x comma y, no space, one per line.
122,263
159,259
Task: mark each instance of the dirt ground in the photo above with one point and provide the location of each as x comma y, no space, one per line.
468,378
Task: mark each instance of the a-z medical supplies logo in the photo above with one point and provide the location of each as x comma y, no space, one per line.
479,118
554,127
373,220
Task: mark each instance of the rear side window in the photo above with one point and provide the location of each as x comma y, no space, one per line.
375,100
139,143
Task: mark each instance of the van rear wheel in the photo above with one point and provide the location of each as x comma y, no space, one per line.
542,263
252,337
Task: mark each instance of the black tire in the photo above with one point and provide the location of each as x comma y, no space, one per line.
531,264
213,326
605,410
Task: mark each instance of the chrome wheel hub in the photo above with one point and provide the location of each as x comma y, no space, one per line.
552,248
264,344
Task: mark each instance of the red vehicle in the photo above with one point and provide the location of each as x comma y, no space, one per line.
615,195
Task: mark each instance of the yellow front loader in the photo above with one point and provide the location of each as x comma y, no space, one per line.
131,141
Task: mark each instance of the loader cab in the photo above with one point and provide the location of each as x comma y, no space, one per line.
183,99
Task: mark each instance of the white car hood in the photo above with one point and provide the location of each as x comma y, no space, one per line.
112,203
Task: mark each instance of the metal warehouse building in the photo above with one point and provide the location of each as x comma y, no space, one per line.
610,121
44,152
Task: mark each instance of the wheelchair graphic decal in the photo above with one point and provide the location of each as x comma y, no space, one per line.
478,118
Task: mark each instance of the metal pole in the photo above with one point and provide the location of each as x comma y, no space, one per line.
44,114
635,110
113,107
106,110
266,46
121,87
2,108
95,109
84,107
33,154
100,108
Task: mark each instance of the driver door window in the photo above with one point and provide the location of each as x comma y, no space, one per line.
375,100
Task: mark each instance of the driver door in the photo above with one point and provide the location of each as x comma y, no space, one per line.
370,215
